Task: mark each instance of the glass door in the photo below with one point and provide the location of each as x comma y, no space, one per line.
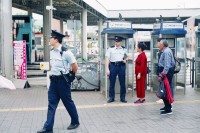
181,55
197,63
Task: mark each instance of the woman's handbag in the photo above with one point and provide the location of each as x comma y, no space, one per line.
161,93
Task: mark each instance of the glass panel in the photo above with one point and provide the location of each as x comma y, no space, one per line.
197,72
198,52
171,42
180,47
198,40
155,54
155,42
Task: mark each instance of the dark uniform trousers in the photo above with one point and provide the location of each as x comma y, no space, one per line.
120,70
60,89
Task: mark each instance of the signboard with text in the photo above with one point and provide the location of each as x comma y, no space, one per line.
119,24
19,50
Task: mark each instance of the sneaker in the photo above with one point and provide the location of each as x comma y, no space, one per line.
166,112
163,109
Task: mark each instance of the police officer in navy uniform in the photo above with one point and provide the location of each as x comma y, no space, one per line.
60,83
116,57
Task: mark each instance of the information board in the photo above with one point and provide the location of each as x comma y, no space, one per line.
20,66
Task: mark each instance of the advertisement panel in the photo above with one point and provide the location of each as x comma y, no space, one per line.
20,66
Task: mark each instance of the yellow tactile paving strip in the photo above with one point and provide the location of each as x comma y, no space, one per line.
96,106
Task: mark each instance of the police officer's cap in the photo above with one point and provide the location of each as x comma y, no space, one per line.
118,39
57,35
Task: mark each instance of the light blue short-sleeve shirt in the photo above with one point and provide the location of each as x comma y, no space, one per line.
115,54
61,63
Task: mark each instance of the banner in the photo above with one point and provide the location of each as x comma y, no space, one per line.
20,66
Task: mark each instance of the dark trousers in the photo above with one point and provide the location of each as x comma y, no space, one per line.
60,89
117,70
169,75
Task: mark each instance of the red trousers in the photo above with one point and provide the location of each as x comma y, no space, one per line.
140,86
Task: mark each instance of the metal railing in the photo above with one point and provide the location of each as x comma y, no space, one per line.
190,71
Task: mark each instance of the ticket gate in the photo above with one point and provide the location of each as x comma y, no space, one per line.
174,33
197,60
122,29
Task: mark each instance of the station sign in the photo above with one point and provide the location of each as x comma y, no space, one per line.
119,24
172,25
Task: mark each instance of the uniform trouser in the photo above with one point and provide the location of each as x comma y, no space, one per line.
60,89
169,75
119,70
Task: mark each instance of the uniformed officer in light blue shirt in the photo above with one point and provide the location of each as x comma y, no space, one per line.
115,62
60,60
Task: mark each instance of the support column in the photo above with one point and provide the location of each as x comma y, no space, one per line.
6,39
100,28
84,34
61,26
30,12
47,20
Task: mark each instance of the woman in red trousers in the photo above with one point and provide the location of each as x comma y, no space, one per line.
140,73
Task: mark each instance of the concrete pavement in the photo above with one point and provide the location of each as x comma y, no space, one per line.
24,111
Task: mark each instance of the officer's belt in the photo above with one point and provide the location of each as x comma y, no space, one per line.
117,63
58,77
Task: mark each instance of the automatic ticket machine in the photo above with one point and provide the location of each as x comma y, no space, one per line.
197,59
123,29
174,33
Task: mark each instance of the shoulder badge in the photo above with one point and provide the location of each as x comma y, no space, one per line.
123,46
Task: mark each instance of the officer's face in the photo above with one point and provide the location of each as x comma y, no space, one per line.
117,44
52,41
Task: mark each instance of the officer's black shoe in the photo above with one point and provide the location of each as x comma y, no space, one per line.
123,101
72,126
110,101
45,131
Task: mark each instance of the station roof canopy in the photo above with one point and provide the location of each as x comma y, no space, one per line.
66,8
149,16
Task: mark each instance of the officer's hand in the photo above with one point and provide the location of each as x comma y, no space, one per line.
124,61
139,76
108,72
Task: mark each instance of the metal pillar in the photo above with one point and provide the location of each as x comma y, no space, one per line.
30,12
47,20
1,39
84,34
100,29
61,26
6,39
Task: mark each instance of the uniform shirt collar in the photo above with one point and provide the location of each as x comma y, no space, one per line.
58,49
118,47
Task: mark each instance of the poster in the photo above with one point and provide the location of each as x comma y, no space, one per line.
20,67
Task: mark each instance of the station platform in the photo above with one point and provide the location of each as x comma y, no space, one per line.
25,110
